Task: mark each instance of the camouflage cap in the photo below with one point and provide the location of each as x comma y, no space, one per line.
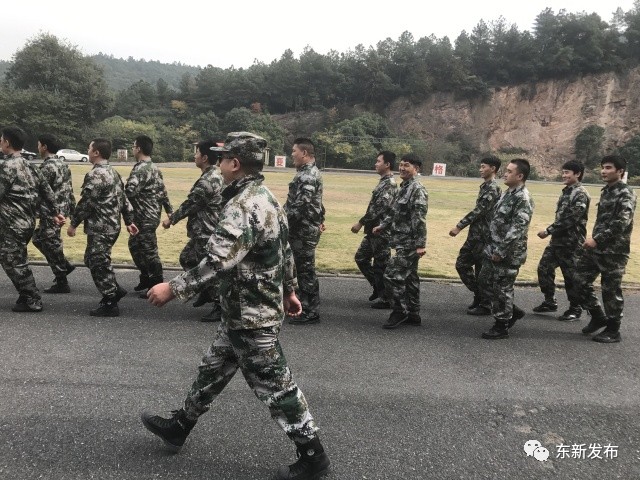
246,146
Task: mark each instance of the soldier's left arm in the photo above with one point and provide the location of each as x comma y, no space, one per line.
164,196
134,183
484,205
626,206
420,203
46,194
571,215
521,214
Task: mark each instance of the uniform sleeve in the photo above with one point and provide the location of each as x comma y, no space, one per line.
5,181
164,196
485,203
419,218
85,205
571,215
379,206
134,183
290,282
304,204
232,239
517,230
621,221
196,199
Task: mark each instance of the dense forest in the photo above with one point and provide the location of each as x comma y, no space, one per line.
51,86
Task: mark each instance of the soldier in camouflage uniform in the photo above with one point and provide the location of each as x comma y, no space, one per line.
507,249
101,205
47,237
305,214
148,196
408,229
376,247
201,209
607,253
22,189
568,233
469,261
250,253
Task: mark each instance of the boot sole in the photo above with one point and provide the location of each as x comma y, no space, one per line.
173,448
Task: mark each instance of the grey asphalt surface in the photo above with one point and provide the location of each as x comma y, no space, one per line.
430,402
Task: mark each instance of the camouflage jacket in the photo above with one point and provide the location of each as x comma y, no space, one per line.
509,228
304,208
479,218
57,174
22,190
614,221
407,219
570,227
147,194
250,254
102,202
203,204
381,202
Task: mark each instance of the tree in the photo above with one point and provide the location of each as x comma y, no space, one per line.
588,145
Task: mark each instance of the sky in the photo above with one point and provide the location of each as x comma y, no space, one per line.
225,34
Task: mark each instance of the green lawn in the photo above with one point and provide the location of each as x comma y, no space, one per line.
346,197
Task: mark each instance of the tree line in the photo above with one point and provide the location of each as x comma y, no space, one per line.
51,86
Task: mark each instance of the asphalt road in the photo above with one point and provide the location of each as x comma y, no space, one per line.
430,402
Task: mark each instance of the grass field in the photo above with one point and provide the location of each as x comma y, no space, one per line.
346,197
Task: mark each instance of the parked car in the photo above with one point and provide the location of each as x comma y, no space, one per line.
29,155
72,155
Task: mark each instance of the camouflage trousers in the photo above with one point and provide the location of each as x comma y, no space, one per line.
552,258
48,240
144,252
372,258
496,281
192,254
13,258
304,256
611,268
402,282
258,355
97,257
469,264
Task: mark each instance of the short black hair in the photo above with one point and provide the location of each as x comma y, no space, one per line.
51,142
412,158
575,166
306,144
15,136
102,146
619,162
523,167
204,147
145,144
388,158
492,162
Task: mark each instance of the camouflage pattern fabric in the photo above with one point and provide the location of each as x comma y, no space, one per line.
144,252
469,261
568,233
402,283
97,258
612,232
258,355
193,252
376,247
47,237
249,252
305,214
408,231
509,230
13,258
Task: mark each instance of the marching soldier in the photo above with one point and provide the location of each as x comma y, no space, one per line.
408,229
607,253
376,247
568,233
101,205
46,237
305,214
201,209
469,261
249,250
147,194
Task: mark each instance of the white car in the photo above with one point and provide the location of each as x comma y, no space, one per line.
72,155
29,155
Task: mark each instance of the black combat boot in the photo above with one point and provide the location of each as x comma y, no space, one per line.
598,320
374,295
413,319
312,463
27,304
549,305
516,315
572,314
173,430
611,334
395,320
153,281
381,304
476,302
497,332
59,286
215,315
108,307
144,283
479,311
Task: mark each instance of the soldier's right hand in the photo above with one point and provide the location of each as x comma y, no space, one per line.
166,223
355,228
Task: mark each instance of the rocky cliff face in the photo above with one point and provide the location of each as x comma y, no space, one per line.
542,118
